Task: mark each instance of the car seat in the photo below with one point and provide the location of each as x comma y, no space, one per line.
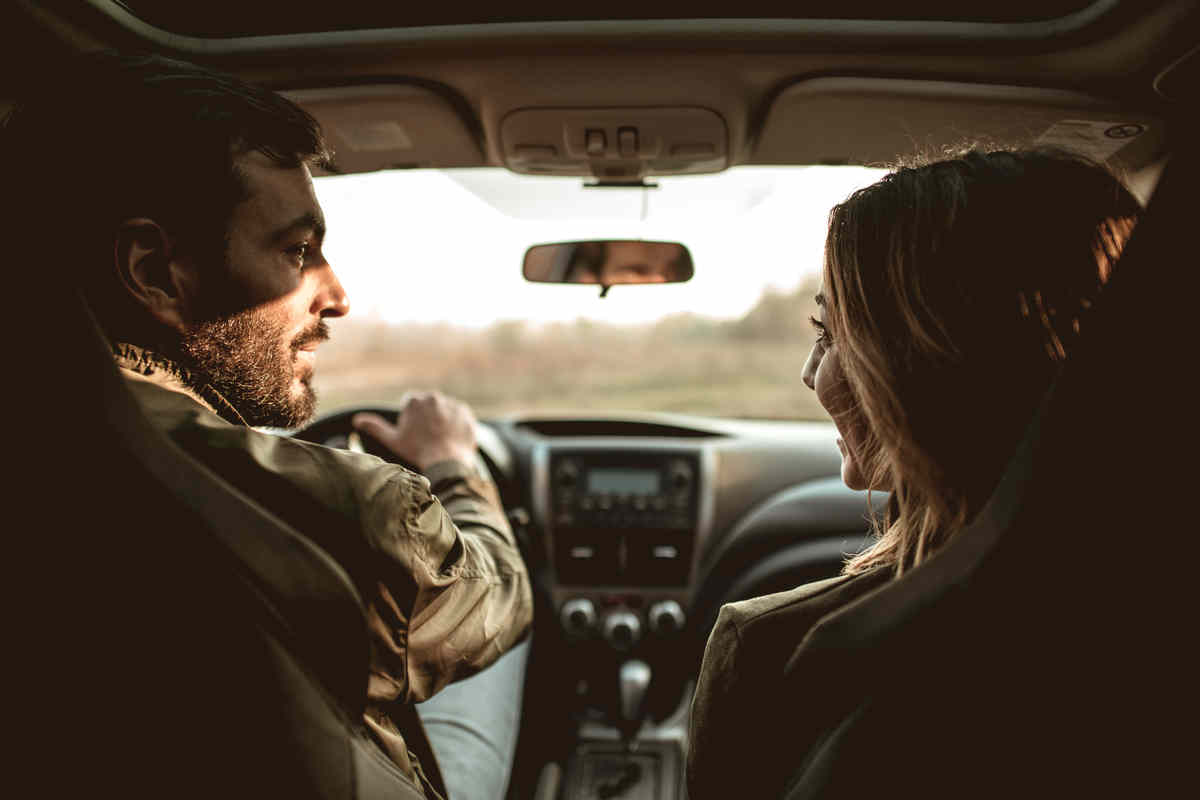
190,643
1045,650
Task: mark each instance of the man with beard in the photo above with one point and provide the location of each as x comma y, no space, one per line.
191,226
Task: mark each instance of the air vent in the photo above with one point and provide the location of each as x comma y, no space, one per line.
608,427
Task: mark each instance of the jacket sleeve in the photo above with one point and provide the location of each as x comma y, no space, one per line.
469,598
445,588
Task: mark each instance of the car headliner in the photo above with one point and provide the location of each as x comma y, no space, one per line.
789,91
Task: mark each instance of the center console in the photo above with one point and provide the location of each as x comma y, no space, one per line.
623,522
624,518
622,526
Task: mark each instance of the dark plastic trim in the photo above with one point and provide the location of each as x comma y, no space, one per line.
555,428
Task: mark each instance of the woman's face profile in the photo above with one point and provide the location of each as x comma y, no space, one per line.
823,374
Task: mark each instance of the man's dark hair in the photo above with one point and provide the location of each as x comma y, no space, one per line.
113,137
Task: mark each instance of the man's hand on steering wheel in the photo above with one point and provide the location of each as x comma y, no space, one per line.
431,427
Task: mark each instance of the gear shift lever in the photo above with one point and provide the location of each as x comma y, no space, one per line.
633,681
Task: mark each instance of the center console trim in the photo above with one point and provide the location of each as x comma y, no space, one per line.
705,497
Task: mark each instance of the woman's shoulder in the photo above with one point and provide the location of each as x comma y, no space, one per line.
741,701
745,610
797,610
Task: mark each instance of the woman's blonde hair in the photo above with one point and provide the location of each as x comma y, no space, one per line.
953,292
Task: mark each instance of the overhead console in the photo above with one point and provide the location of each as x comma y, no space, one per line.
844,120
614,145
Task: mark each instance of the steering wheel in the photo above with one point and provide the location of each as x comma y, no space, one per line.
336,430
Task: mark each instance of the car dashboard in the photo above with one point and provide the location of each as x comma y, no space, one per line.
638,528
644,508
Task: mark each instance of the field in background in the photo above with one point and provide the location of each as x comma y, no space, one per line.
748,367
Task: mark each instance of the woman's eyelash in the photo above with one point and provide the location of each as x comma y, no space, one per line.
822,332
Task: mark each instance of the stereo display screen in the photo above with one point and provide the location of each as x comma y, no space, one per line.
623,481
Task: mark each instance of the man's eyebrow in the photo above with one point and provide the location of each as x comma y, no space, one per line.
306,221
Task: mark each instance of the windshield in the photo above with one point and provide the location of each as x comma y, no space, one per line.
431,261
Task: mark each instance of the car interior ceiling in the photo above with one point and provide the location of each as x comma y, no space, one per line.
798,92
266,630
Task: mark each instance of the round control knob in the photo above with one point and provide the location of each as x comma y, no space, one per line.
622,629
665,618
578,616
680,476
568,475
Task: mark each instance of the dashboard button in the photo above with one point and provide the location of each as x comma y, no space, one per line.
665,551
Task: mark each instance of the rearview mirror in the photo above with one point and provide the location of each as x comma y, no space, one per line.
608,262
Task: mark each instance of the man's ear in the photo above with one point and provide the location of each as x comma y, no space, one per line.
146,265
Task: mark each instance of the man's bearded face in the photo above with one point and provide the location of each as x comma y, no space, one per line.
257,322
248,358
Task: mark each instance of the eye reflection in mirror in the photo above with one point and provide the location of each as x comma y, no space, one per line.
608,263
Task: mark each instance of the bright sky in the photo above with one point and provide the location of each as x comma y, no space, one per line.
430,246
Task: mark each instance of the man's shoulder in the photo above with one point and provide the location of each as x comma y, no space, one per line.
339,478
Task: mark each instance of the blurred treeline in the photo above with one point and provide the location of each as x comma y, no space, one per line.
746,367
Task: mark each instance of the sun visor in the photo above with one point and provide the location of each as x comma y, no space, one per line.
393,126
877,121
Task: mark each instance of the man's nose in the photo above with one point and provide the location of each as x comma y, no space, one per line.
330,299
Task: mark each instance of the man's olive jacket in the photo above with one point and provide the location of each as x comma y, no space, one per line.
433,557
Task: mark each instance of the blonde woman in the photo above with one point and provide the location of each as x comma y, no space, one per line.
953,293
